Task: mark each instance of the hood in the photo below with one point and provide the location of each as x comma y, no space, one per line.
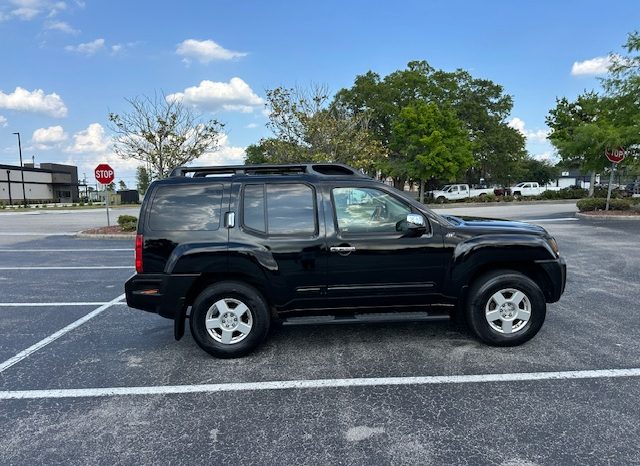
492,225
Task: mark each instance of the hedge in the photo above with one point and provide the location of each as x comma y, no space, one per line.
599,203
128,222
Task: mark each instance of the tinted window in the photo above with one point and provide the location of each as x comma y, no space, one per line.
189,207
253,207
290,209
367,210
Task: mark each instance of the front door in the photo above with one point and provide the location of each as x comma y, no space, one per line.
370,262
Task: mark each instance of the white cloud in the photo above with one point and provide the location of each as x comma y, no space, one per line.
90,140
60,26
26,10
3,122
87,48
46,138
531,136
547,156
205,51
224,155
236,95
252,125
593,66
35,101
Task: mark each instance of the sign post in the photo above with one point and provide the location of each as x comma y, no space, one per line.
615,157
105,175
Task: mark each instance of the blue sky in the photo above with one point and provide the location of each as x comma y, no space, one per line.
65,64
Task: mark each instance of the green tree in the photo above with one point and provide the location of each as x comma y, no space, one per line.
163,133
481,105
307,127
431,143
142,179
541,171
122,185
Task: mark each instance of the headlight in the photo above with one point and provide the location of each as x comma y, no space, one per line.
554,246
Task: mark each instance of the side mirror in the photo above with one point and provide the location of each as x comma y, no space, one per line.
414,225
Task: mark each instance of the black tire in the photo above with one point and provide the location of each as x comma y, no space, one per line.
235,291
441,199
480,295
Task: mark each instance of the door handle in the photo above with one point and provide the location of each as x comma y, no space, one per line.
342,249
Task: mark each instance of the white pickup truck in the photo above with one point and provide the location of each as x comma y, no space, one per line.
529,188
452,192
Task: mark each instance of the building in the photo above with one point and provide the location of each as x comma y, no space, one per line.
52,182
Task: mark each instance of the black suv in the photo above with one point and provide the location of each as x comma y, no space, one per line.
234,249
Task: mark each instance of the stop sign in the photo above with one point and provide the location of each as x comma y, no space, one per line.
104,173
615,156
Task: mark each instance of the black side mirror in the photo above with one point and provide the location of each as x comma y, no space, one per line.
414,225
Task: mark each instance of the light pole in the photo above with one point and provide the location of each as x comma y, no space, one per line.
24,194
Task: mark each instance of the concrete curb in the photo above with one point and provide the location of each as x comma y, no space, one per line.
607,217
460,205
82,235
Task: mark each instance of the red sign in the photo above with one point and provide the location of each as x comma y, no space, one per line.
104,173
616,155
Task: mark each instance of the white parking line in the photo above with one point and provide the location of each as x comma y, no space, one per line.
36,233
79,267
98,303
51,338
310,384
542,220
66,250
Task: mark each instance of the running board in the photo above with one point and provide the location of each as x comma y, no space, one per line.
366,318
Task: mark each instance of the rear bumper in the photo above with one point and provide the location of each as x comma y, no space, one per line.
159,293
556,270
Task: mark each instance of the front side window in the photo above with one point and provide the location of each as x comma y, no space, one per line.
280,209
367,210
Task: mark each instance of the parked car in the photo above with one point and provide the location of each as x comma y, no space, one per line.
233,249
453,192
529,188
632,189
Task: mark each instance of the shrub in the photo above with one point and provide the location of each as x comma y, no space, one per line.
599,203
506,198
127,220
129,226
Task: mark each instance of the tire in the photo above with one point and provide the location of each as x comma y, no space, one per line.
441,200
505,325
517,195
238,318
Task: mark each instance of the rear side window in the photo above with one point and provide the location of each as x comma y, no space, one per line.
279,209
188,207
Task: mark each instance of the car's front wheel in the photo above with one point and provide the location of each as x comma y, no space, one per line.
505,308
229,319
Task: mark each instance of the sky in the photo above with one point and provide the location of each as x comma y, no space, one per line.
64,65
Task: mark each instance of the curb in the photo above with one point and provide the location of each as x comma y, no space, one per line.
82,235
608,217
456,205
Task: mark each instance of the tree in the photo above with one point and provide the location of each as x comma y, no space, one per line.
480,104
122,185
142,179
541,171
431,143
163,133
307,127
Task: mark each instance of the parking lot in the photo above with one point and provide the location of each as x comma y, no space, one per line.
86,380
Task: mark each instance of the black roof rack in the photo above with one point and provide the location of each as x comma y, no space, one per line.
321,169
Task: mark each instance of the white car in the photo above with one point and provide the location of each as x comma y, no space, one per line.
452,192
529,188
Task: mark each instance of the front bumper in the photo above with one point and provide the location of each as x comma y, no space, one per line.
159,293
556,270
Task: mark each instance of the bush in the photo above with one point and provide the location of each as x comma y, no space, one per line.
129,226
127,220
599,203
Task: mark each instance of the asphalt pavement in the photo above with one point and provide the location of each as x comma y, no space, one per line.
433,394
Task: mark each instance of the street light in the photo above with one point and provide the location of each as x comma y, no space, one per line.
24,194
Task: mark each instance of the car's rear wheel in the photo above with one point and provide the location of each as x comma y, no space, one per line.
505,308
229,319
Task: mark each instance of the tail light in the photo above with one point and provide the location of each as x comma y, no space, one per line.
139,242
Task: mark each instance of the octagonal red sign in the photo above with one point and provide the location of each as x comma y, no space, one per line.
615,155
104,173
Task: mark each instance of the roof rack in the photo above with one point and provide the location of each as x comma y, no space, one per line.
321,169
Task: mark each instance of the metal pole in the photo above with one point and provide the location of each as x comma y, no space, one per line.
613,167
9,186
24,194
107,204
